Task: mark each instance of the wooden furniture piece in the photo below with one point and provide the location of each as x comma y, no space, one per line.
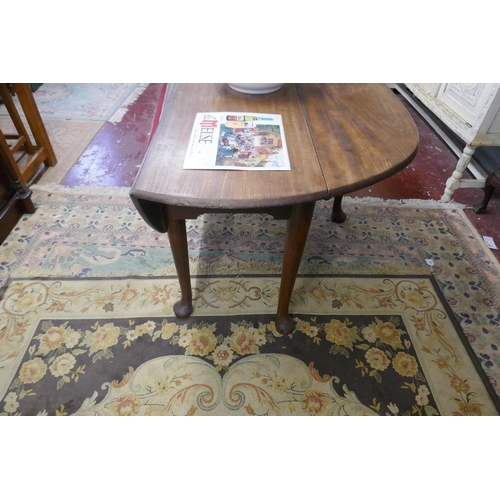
340,138
26,154
469,110
15,197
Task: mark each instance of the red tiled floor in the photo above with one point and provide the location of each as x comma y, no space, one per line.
113,157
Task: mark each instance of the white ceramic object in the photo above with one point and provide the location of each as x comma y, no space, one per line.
255,88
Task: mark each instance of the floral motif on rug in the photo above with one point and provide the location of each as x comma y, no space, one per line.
362,346
101,234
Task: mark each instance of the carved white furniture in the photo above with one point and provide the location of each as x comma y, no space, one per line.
472,112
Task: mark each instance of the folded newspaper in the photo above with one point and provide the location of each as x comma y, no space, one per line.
237,141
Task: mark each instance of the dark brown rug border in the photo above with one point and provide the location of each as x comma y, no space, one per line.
472,355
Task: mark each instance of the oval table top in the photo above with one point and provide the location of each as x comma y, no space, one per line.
340,138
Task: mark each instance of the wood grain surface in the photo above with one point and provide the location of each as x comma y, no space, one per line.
162,178
340,137
362,133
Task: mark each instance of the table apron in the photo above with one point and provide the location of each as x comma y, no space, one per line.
177,212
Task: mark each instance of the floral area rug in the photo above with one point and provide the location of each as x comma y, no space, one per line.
83,101
86,323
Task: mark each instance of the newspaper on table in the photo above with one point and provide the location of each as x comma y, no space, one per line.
237,141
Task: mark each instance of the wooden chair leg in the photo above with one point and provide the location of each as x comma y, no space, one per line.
8,161
34,120
16,119
9,165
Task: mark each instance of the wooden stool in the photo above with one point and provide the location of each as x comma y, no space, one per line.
15,197
23,154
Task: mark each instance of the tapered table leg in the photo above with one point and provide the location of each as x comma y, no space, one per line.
295,240
178,244
338,215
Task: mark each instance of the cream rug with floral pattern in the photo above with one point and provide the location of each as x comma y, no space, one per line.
86,323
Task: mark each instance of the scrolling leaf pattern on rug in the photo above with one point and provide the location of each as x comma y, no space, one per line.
365,346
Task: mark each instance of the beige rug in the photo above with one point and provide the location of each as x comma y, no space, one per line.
69,139
86,322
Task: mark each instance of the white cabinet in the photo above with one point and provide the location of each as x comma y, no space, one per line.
470,110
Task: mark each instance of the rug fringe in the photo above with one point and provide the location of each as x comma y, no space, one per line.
411,202
79,190
122,110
